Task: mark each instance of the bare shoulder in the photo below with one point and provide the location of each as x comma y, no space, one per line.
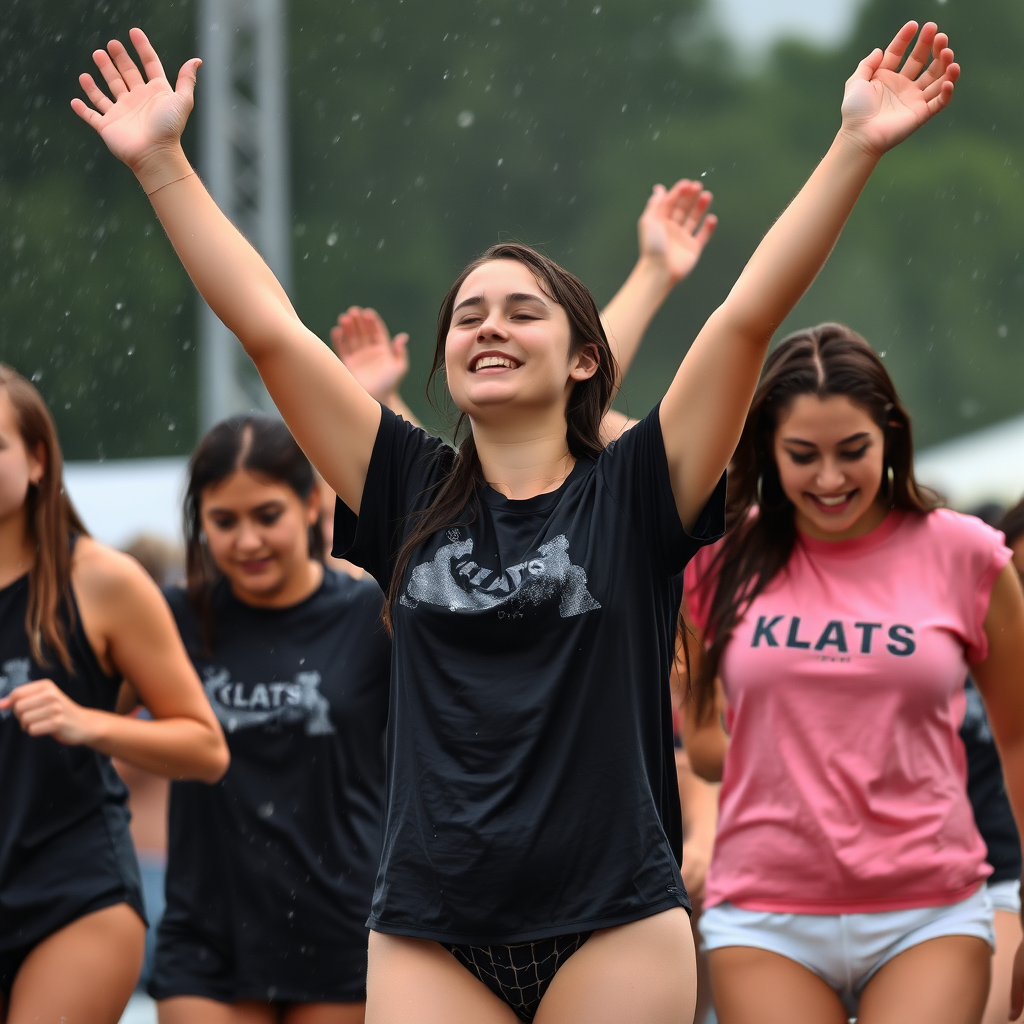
103,575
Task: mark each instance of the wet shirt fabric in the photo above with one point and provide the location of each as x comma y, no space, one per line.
987,791
65,847
844,788
532,786
270,871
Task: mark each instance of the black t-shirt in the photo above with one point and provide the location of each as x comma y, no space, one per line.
987,792
65,847
532,786
273,866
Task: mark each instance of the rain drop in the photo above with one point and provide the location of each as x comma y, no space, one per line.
1003,331
465,118
332,238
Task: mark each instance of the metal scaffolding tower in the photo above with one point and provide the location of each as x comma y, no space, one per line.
244,162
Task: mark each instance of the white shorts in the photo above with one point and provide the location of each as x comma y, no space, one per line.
1005,896
845,950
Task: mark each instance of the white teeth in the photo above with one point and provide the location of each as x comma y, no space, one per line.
486,361
832,501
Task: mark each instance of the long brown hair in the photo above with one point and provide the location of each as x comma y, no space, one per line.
263,446
822,361
51,520
455,498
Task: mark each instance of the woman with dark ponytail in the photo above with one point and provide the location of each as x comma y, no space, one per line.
75,618
531,834
841,613
270,872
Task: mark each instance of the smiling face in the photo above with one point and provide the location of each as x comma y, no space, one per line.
830,454
509,343
257,530
18,466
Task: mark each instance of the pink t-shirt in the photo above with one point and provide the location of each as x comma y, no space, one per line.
844,788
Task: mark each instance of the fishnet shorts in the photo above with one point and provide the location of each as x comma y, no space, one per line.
519,974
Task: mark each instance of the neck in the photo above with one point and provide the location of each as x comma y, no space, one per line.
17,552
524,461
296,587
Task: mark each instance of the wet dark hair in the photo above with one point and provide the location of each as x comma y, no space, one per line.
823,361
264,447
52,524
456,491
1012,523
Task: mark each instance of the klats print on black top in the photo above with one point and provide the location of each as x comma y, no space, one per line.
987,791
65,847
532,786
270,871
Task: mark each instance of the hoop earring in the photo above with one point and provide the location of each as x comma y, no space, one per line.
890,484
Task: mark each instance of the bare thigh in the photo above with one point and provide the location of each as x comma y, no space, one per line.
639,973
753,986
194,1010
325,1013
1008,938
82,974
941,981
414,981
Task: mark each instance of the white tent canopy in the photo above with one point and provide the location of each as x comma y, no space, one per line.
987,465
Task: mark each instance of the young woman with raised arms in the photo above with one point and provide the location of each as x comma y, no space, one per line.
531,576
75,618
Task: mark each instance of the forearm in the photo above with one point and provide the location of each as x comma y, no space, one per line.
178,748
699,801
629,314
791,254
228,272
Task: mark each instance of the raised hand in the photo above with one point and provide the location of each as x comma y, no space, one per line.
675,226
885,103
145,118
378,361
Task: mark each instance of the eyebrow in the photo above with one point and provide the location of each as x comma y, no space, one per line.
265,507
475,300
846,440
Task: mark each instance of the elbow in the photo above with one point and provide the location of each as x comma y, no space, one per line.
705,767
214,759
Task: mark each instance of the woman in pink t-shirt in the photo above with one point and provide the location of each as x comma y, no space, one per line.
842,611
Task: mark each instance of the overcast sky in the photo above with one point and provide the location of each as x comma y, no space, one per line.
754,23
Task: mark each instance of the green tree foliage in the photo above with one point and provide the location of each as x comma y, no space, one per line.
422,132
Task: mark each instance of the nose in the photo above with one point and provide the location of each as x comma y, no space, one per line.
248,537
492,326
831,476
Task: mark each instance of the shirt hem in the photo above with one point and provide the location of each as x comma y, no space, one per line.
532,934
850,906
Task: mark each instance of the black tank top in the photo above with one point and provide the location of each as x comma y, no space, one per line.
65,848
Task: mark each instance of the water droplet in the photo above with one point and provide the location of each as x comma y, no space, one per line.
265,810
332,238
1003,331
465,118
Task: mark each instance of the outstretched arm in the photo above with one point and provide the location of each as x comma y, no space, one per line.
332,417
704,409
379,362
672,231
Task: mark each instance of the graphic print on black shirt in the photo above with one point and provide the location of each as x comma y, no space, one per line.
454,581
246,706
65,848
272,868
532,785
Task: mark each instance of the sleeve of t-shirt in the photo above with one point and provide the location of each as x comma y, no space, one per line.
635,471
979,554
406,461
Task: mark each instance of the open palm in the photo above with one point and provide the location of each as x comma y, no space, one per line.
363,343
885,103
675,226
145,115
